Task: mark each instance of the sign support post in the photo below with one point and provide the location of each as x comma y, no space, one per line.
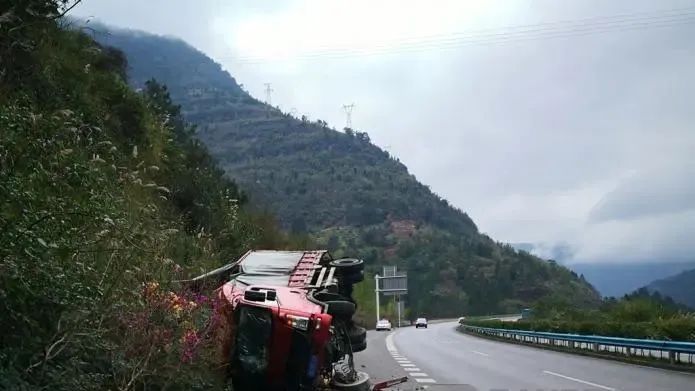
394,284
376,290
398,303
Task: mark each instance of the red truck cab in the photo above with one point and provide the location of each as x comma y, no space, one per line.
286,320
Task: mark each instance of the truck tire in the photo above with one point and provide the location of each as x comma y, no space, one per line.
358,347
357,335
353,278
361,383
329,296
342,309
345,266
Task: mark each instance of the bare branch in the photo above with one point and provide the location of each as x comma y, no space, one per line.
67,10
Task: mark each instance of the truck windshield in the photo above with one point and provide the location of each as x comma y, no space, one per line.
255,327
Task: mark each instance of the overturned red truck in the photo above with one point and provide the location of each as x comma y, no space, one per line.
287,321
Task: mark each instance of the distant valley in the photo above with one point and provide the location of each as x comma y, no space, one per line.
617,279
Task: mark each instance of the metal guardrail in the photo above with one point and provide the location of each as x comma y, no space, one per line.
673,351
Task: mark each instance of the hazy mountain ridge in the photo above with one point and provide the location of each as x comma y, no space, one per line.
617,279
680,287
611,279
347,192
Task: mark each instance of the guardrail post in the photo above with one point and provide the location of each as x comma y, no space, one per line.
595,347
672,356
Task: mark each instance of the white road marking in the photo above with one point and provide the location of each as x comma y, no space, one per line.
389,343
580,381
480,353
405,364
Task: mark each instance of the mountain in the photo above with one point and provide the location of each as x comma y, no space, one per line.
611,279
680,287
618,279
347,193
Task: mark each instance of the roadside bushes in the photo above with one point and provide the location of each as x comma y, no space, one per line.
91,236
680,328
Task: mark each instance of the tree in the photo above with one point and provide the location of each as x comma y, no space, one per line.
363,136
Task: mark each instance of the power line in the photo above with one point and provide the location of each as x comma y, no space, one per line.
348,114
474,40
517,33
597,20
487,37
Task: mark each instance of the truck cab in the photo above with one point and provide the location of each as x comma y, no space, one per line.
286,320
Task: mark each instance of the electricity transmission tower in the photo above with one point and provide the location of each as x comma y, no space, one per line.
348,114
268,91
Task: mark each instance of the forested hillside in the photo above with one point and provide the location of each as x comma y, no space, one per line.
680,287
105,200
347,193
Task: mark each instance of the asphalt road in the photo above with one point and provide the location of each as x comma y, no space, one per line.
441,358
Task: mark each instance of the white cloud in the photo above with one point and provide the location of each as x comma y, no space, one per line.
577,140
655,238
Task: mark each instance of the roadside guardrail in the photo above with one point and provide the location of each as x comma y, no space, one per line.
672,351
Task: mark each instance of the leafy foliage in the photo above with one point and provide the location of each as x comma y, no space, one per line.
107,200
348,194
639,314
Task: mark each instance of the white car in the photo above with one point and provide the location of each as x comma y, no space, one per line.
383,324
420,322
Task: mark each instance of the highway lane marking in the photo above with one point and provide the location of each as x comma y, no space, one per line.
405,364
390,346
580,381
480,353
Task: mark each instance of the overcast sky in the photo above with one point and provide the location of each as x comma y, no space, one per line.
551,122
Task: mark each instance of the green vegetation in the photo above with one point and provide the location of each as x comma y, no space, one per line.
348,194
637,315
105,200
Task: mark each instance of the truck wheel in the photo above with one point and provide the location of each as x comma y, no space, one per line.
328,296
357,335
341,308
358,347
347,265
361,383
353,278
